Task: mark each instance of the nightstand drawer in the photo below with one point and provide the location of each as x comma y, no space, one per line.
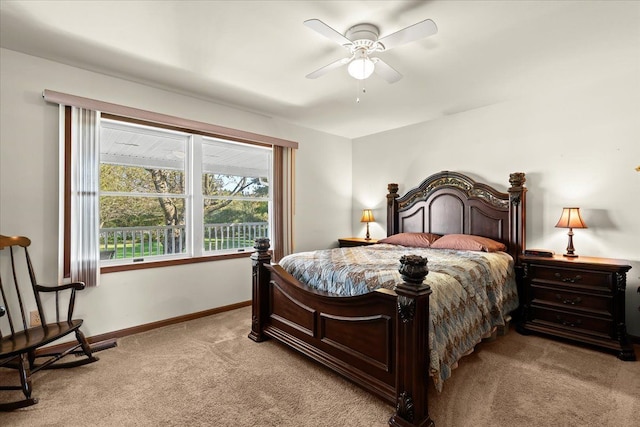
580,299
568,299
572,321
572,277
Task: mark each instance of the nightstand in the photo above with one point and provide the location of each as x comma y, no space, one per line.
348,242
579,299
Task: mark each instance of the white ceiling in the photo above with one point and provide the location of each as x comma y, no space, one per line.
255,54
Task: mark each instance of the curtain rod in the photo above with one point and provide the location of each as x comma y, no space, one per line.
121,110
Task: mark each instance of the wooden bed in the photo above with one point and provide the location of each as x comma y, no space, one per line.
379,340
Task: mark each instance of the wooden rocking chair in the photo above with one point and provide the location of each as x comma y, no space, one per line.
19,348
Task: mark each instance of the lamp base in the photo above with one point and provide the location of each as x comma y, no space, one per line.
570,248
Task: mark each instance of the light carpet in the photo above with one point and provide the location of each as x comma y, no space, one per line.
206,372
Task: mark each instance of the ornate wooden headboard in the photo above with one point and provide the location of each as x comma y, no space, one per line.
452,203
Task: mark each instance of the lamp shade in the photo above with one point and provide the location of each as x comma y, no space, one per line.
367,216
571,218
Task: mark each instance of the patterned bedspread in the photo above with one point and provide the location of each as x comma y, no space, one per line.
472,291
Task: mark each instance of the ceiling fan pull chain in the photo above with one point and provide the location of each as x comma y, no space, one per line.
359,90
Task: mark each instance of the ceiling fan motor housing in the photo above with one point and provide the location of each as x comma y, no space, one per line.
363,35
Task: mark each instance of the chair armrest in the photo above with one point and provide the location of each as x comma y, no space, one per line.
78,286
74,286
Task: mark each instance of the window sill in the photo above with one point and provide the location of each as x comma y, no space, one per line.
169,263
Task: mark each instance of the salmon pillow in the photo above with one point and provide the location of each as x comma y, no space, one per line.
415,240
468,242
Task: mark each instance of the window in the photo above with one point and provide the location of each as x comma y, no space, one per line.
236,195
140,189
171,194
143,196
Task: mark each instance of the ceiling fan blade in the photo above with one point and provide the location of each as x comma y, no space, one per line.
324,70
417,31
385,71
325,30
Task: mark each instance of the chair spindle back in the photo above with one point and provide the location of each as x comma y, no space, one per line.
12,296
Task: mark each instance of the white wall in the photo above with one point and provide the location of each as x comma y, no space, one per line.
29,189
579,146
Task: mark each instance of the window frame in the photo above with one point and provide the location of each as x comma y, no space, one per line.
276,189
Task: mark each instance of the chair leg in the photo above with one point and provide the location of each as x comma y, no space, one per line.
25,375
32,358
24,371
86,348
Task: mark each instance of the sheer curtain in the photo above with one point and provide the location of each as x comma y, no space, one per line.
84,196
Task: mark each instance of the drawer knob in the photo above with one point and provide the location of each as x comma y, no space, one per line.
564,322
569,279
575,301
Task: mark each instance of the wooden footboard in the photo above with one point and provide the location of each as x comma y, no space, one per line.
377,340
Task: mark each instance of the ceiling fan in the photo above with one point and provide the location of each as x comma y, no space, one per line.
362,42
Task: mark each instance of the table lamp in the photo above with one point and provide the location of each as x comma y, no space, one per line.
367,216
570,219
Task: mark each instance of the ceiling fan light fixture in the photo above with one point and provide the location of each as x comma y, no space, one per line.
361,68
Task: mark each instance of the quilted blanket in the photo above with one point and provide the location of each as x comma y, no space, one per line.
472,291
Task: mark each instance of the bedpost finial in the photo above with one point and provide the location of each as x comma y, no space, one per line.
413,268
517,179
262,244
393,194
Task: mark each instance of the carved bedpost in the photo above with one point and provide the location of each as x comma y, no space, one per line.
620,332
517,212
412,345
260,286
392,206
